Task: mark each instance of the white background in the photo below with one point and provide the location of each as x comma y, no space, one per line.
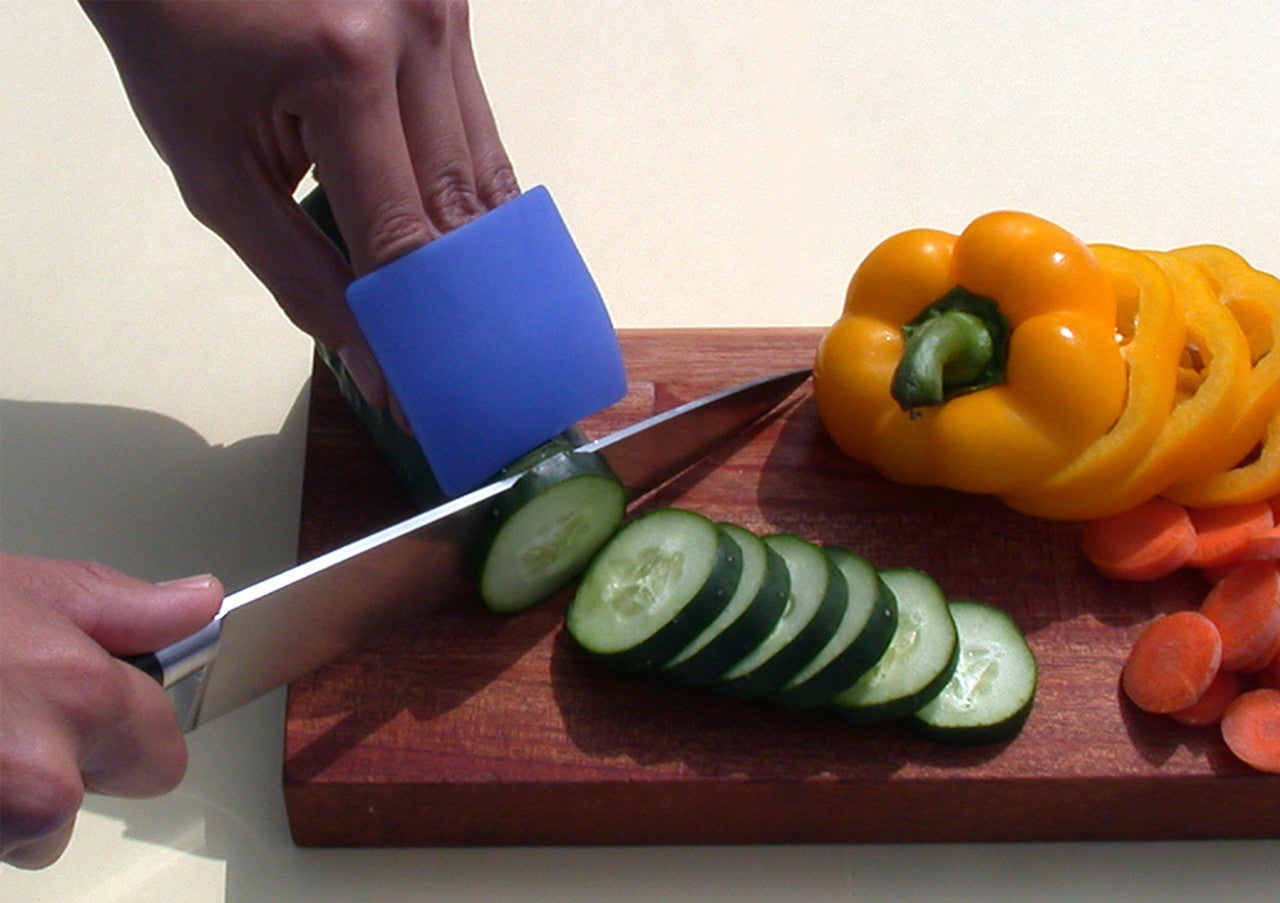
719,163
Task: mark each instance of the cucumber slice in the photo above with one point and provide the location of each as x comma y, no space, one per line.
749,616
814,609
546,527
920,658
989,696
654,586
870,617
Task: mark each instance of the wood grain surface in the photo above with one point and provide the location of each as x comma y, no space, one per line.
473,729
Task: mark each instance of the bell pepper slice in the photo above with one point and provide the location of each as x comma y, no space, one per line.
1253,298
1195,423
1150,326
1010,314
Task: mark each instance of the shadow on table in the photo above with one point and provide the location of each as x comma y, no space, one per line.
146,494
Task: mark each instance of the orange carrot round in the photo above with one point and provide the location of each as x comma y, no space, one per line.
1263,546
1251,729
1213,702
1223,532
1172,662
1145,542
1245,607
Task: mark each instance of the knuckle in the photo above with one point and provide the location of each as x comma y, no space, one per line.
437,19
350,43
205,191
395,231
500,184
451,196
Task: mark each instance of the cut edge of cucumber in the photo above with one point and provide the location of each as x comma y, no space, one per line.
546,528
864,633
815,606
920,659
650,589
750,615
995,661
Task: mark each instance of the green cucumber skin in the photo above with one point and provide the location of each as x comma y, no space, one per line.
1003,728
902,706
721,653
664,644
398,448
857,658
775,671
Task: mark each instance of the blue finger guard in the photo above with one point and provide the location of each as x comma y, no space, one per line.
493,337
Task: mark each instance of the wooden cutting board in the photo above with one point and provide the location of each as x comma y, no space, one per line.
473,729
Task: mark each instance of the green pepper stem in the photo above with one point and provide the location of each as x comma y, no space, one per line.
958,345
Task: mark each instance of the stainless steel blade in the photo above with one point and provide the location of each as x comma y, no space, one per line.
292,623
650,453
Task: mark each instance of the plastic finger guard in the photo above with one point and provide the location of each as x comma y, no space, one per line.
493,338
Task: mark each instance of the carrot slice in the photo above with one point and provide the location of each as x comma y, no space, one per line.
1245,607
1251,729
1172,662
1213,702
1263,546
1223,532
1145,542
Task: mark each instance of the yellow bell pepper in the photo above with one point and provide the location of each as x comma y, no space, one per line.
983,362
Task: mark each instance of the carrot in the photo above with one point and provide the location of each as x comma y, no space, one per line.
1224,531
1262,546
1213,702
1172,662
1251,729
1145,542
1245,607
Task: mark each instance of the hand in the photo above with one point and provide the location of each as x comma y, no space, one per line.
241,99
72,716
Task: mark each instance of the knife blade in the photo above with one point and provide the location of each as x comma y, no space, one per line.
286,626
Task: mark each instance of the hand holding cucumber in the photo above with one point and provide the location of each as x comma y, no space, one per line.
384,100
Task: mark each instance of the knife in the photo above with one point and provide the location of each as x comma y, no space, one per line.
292,623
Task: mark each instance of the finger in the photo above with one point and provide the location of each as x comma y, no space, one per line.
42,851
256,215
43,791
433,122
357,140
136,748
495,177
124,615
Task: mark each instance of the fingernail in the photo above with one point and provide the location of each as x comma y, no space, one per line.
365,372
197,581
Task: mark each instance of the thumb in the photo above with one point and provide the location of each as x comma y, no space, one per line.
124,615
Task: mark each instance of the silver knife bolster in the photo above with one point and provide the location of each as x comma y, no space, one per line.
183,658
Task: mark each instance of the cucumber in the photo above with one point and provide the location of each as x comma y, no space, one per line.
814,609
748,617
989,696
870,617
921,655
546,527
653,588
